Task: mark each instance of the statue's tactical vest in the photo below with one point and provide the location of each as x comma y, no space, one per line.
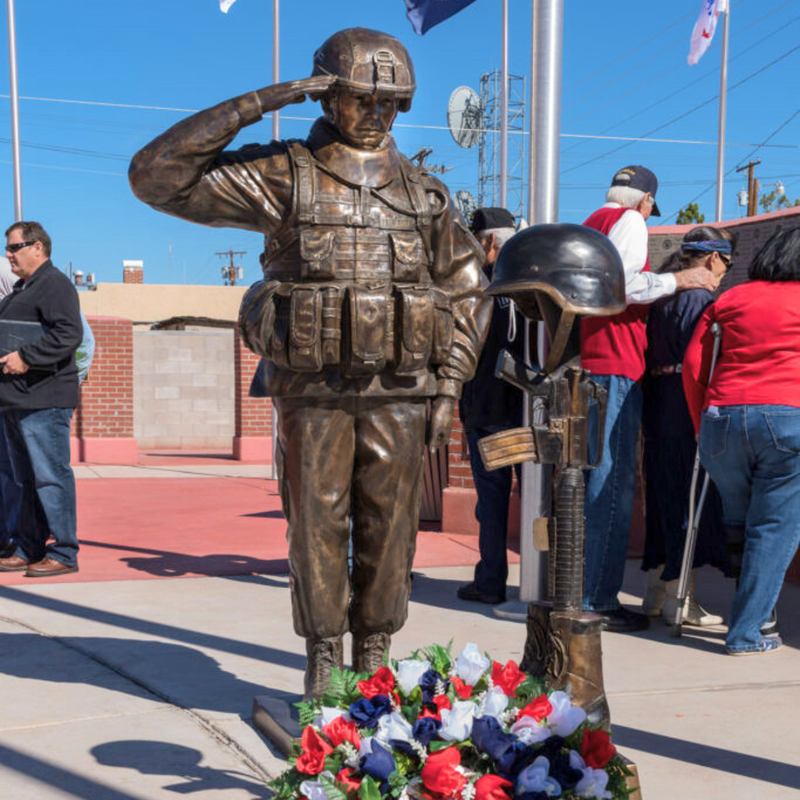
348,279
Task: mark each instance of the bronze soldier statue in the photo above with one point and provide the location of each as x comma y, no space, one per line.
371,305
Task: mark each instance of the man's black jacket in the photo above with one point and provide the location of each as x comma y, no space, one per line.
47,297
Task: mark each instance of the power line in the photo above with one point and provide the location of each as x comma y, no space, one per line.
687,113
735,167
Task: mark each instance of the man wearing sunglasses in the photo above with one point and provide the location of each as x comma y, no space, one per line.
38,394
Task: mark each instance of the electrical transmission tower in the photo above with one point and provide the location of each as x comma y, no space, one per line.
489,145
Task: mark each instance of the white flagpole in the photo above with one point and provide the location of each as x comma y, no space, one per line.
12,69
723,103
276,134
504,111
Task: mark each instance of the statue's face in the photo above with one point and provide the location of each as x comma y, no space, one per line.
365,119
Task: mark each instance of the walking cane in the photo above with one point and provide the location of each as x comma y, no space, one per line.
695,511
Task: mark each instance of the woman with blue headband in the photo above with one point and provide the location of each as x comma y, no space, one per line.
670,440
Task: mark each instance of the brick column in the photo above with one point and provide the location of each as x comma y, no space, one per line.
102,427
252,439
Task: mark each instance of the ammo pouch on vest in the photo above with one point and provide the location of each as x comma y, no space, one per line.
424,321
367,326
407,256
317,254
257,317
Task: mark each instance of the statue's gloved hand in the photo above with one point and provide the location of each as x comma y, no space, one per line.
441,422
279,95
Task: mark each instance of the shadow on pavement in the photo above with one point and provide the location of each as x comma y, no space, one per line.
188,676
150,628
709,757
64,781
168,564
164,758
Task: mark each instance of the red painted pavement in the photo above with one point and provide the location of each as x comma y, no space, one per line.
145,528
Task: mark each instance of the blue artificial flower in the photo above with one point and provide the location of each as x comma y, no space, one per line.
428,683
425,730
515,759
366,713
563,772
489,737
551,747
379,764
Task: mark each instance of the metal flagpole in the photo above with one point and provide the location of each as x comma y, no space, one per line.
276,134
723,103
12,69
546,43
504,110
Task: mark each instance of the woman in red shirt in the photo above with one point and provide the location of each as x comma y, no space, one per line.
748,418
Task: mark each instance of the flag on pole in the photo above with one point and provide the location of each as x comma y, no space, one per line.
704,28
224,5
424,14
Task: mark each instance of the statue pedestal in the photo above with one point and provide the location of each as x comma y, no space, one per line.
632,782
273,717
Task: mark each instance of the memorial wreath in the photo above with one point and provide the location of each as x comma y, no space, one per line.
438,727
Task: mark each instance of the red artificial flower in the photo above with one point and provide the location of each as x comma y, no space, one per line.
538,708
508,677
596,749
345,777
382,682
315,750
491,787
440,701
440,776
339,731
463,690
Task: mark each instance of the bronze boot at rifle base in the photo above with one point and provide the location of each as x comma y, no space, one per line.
371,308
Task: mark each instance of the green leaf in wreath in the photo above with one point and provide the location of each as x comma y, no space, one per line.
333,790
369,789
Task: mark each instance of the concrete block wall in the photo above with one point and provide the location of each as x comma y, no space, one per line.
184,394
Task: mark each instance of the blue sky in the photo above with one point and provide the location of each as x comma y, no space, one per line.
624,74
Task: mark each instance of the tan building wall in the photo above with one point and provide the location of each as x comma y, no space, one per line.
148,303
183,388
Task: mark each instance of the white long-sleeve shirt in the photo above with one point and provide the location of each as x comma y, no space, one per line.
629,236
7,278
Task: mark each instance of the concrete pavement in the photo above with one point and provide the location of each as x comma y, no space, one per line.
142,690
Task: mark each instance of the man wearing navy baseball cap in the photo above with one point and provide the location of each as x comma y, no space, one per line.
612,349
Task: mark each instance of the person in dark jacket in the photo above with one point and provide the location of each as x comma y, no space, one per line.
669,439
38,394
489,405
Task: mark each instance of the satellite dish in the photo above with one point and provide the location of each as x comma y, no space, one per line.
464,116
465,203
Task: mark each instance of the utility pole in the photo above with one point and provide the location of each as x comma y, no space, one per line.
230,272
419,159
752,187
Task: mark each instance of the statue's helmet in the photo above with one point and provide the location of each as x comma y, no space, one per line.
574,267
369,62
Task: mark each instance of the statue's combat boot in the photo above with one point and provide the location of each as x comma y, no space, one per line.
323,655
369,651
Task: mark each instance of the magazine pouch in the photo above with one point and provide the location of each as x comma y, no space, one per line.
367,328
414,315
443,327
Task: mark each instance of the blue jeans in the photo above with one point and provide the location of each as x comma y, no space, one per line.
10,495
752,454
610,491
39,446
494,491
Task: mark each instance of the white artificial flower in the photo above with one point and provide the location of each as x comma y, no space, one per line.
593,784
314,790
471,664
457,721
535,778
529,731
365,748
328,715
564,718
409,672
494,703
393,726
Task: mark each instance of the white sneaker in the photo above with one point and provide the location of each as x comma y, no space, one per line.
693,612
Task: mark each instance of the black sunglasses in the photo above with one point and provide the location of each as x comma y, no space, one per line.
15,248
725,260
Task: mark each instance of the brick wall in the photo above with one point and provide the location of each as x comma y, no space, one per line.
102,427
252,440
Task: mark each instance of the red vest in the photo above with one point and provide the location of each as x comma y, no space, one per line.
614,345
